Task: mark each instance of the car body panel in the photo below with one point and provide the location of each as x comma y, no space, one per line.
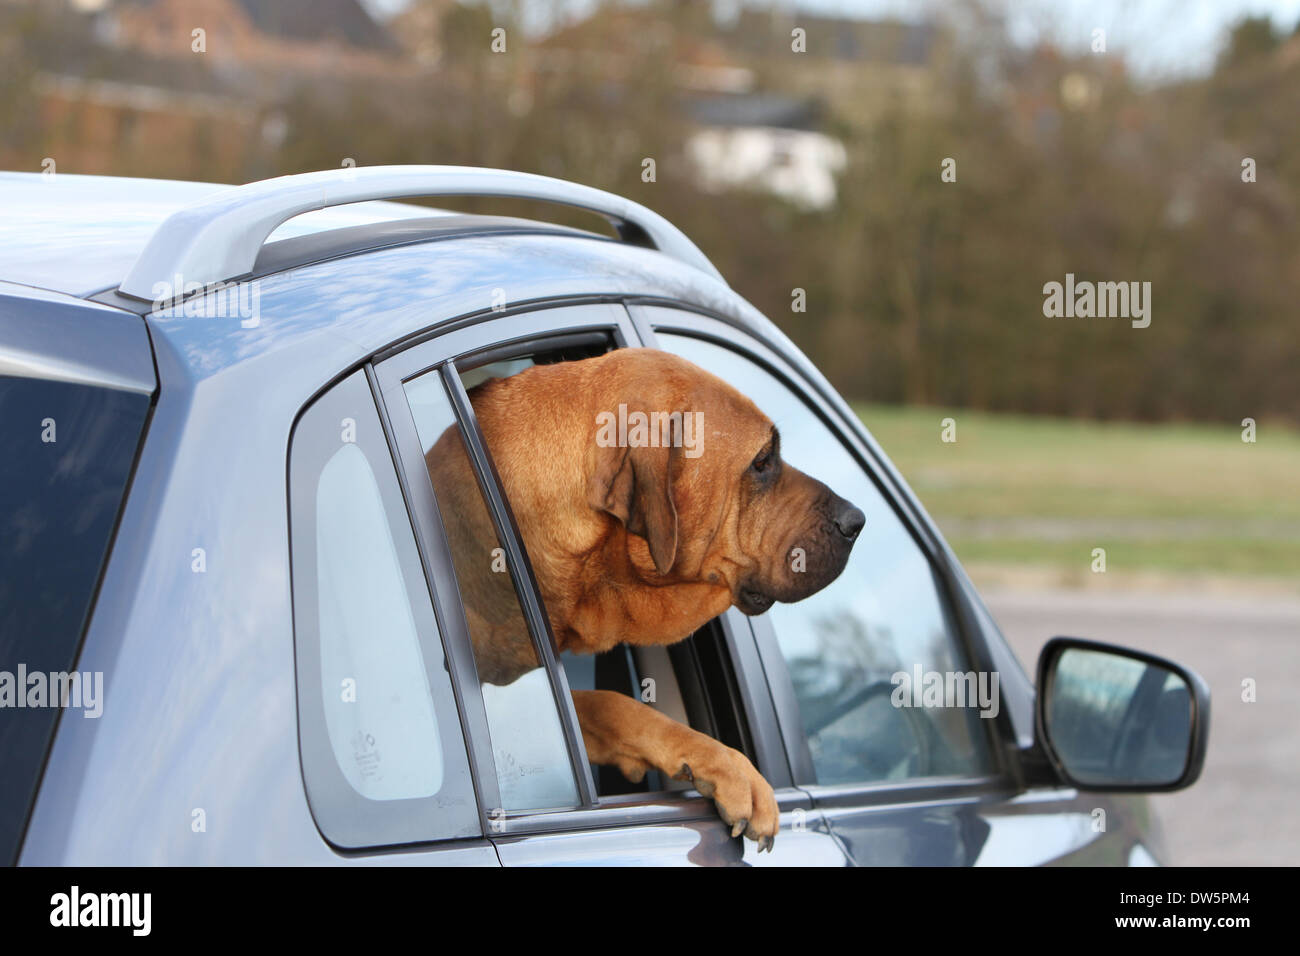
61,338
1040,827
1047,827
804,840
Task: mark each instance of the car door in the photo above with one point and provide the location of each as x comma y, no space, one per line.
894,715
543,803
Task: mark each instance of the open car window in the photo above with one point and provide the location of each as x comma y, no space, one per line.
691,682
528,743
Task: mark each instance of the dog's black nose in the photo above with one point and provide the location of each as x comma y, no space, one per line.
849,521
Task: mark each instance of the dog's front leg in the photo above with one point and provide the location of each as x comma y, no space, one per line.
634,737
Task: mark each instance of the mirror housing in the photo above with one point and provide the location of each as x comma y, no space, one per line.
1118,720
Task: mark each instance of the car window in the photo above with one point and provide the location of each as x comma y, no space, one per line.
677,675
528,743
683,681
68,450
383,756
385,744
848,647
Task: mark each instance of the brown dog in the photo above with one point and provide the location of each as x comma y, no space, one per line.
638,535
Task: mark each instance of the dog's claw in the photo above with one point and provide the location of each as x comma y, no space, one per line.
744,800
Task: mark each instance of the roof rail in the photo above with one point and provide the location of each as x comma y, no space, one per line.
218,238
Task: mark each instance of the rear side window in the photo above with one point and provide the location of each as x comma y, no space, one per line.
67,451
383,756
385,744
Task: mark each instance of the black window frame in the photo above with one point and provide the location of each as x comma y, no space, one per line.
469,343
754,344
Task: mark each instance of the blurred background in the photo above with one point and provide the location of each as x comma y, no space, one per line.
803,147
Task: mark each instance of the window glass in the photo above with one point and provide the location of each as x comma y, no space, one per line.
532,760
67,453
383,756
385,736
847,646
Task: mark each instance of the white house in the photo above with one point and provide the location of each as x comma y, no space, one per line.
766,142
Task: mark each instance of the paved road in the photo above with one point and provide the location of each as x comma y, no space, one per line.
1246,807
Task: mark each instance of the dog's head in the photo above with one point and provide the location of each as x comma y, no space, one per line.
694,472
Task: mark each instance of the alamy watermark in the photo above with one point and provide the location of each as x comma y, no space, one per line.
626,429
132,911
219,300
922,688
53,689
1102,300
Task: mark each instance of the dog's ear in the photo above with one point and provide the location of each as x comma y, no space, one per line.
635,485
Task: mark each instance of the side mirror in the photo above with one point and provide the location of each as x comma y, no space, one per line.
1110,718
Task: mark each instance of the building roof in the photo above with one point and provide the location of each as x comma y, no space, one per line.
342,21
307,21
896,42
759,109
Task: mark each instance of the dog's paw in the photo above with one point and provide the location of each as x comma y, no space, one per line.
633,768
744,799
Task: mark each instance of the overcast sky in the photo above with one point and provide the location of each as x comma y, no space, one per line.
1156,37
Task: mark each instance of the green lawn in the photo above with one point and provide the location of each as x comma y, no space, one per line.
1015,490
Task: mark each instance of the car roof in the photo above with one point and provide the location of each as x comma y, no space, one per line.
81,234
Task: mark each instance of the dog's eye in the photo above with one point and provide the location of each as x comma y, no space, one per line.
767,463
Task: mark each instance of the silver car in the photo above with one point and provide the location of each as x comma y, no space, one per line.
230,627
